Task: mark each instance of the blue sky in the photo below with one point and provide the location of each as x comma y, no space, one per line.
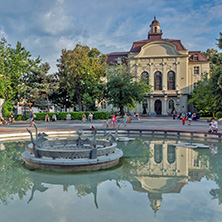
45,27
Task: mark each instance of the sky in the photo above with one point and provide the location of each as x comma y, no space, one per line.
45,27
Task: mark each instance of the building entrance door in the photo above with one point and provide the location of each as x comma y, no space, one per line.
158,107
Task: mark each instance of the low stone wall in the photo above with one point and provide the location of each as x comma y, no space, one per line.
67,149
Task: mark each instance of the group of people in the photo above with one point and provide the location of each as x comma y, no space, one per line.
115,119
213,126
189,116
5,122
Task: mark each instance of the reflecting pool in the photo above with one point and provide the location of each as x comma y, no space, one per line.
154,182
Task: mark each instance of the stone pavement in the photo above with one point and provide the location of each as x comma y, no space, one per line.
162,123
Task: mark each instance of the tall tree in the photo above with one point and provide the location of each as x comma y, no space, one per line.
14,64
219,44
40,86
80,73
203,97
123,90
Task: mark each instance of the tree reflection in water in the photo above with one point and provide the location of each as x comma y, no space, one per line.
14,180
152,166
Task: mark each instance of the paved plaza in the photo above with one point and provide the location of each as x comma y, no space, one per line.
162,123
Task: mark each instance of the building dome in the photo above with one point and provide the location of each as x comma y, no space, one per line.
155,22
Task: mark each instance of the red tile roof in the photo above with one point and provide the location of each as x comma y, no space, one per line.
200,57
112,57
137,45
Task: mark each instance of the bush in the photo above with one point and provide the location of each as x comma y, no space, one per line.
202,113
219,115
62,115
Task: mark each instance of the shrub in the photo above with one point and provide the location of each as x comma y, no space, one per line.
62,115
219,115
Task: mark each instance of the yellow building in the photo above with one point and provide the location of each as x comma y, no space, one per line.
168,66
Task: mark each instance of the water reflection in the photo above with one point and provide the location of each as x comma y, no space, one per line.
154,167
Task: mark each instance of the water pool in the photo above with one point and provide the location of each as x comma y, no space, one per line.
154,182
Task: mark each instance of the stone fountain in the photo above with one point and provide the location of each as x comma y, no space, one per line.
71,154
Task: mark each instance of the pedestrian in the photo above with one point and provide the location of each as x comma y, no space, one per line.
47,118
107,123
54,117
90,118
113,120
125,119
31,117
83,117
11,118
214,125
183,118
68,117
189,116
174,114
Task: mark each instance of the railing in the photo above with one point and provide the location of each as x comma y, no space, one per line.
160,132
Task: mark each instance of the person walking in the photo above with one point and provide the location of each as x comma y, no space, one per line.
68,117
113,120
125,119
83,118
183,118
90,117
31,118
189,116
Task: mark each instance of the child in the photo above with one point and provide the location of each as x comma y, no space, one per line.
183,119
107,123
211,130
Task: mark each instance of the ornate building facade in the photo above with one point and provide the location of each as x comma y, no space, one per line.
167,66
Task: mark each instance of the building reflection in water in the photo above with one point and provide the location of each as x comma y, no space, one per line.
169,168
164,169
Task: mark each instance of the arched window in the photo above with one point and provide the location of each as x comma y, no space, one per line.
171,80
171,154
171,104
145,77
158,153
158,81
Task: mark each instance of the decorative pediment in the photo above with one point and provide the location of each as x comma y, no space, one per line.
158,49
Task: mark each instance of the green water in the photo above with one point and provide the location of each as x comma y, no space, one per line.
154,182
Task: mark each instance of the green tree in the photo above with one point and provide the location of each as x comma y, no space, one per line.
123,90
80,73
203,98
219,44
14,64
40,86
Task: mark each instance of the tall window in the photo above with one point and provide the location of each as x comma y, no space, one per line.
145,77
103,105
171,104
158,153
158,81
171,80
196,70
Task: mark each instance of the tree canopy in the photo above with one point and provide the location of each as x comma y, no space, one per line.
208,94
80,72
14,64
123,90
40,86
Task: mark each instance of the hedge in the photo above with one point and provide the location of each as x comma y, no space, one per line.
219,115
62,115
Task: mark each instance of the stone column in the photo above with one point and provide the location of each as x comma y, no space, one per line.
177,74
151,105
164,75
164,106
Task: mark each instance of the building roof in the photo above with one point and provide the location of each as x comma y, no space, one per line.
197,56
112,57
137,45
